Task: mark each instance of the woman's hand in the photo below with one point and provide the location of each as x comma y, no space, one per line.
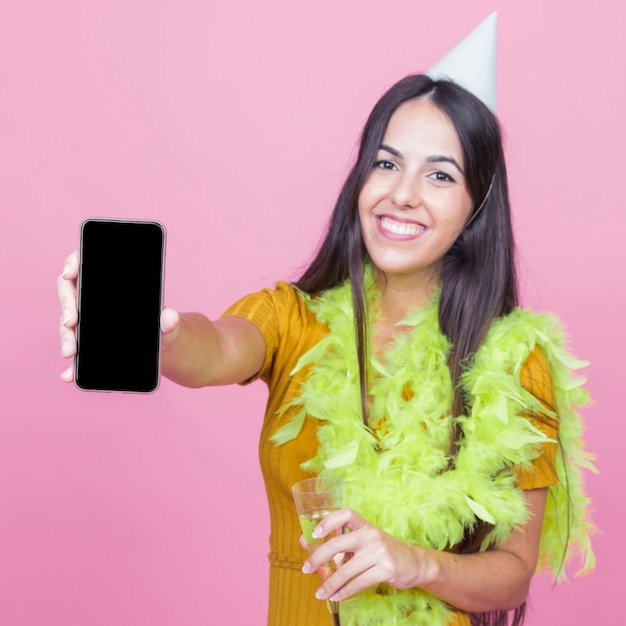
194,351
67,292
371,556
496,579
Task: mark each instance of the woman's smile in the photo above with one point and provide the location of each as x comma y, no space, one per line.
399,229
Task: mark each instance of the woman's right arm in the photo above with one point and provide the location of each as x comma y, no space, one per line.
195,351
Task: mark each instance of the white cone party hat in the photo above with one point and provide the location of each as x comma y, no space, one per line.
472,62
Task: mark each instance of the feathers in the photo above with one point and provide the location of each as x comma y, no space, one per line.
396,470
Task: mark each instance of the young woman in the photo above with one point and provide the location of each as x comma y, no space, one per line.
400,362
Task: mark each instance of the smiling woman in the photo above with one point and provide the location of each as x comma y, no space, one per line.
415,203
400,362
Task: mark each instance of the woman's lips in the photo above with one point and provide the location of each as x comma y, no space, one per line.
398,229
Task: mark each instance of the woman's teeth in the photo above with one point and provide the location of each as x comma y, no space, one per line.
400,228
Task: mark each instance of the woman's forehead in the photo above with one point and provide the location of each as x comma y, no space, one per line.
420,126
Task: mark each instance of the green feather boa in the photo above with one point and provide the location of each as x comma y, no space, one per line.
396,470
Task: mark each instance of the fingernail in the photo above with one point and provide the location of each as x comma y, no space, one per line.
306,568
317,532
67,316
65,346
66,269
320,594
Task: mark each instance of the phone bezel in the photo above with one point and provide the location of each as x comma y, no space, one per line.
163,232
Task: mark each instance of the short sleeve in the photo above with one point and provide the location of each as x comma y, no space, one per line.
536,378
287,326
259,309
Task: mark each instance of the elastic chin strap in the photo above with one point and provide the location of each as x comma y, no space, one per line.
482,204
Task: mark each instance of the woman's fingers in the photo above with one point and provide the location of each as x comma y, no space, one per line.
66,291
70,266
169,320
68,375
356,565
170,324
349,545
348,580
371,556
68,298
342,518
342,539
67,336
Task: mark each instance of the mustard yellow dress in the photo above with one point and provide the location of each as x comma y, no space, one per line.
290,330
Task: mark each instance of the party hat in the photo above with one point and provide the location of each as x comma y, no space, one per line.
472,62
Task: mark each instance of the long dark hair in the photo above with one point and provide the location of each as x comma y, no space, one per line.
478,282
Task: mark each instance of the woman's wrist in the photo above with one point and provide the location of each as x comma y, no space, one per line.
427,570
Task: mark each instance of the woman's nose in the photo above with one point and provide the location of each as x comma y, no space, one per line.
406,193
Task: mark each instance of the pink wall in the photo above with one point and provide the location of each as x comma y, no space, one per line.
233,124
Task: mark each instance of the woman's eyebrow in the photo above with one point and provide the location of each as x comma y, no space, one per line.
441,158
391,150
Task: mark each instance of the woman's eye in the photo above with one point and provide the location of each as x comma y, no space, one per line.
385,165
442,177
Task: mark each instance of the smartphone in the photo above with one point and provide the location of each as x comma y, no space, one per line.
120,294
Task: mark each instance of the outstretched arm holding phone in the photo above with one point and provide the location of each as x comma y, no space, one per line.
195,351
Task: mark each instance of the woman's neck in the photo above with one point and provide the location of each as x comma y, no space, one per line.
399,295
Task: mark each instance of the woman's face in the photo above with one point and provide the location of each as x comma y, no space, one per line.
415,202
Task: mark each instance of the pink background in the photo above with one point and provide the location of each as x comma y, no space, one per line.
234,123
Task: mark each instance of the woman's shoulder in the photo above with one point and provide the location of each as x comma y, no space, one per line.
525,334
284,299
281,313
288,326
522,323
533,347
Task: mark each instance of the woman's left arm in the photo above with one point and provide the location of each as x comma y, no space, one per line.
497,579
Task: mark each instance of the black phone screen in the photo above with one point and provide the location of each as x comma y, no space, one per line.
119,305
